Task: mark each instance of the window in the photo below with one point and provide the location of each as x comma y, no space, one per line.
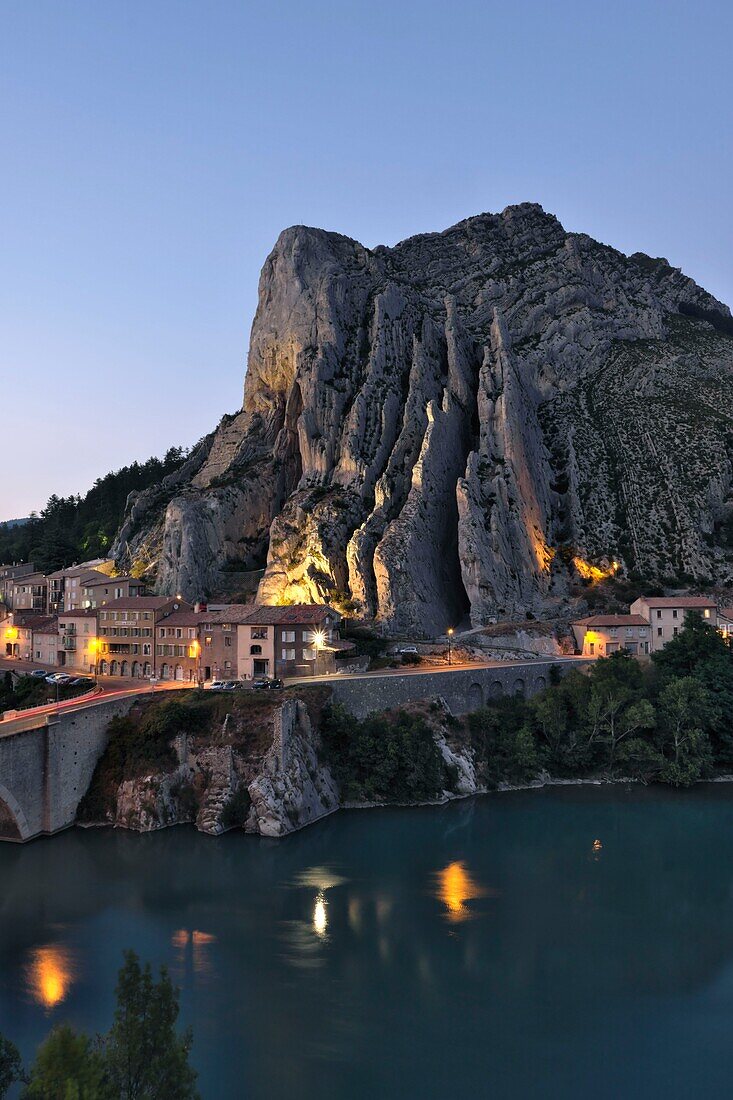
259,632
660,632
706,612
613,631
228,665
642,632
675,631
226,626
310,654
207,640
674,613
592,648
629,631
288,655
255,650
227,641
161,632
659,614
192,631
146,650
288,635
179,632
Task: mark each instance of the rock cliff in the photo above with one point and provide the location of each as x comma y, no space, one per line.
455,426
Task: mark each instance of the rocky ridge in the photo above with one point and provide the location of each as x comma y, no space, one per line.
438,429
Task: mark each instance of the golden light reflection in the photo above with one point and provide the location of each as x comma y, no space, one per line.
50,974
320,916
198,941
597,845
591,572
455,888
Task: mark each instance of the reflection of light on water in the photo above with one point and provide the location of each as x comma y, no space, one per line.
320,916
50,974
455,887
320,877
596,850
597,845
198,941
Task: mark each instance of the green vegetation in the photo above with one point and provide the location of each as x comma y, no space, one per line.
386,758
72,529
31,691
142,1057
668,723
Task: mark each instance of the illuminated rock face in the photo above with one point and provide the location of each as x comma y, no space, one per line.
438,428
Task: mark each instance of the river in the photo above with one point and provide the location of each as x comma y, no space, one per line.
567,942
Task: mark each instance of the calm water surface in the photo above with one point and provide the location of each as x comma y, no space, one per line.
563,943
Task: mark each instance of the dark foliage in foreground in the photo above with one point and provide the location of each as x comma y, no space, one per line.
667,722
142,1056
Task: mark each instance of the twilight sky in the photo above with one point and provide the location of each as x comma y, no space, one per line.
153,150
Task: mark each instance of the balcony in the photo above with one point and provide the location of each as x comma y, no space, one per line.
69,642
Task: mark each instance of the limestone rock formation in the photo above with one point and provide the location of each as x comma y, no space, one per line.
438,429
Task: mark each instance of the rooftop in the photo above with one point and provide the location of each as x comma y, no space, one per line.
679,601
145,603
613,620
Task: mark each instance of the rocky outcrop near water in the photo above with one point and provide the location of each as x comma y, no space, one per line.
458,425
261,773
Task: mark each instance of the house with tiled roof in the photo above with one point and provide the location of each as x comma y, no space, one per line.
603,635
666,614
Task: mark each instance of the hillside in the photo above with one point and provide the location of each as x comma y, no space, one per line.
75,528
466,423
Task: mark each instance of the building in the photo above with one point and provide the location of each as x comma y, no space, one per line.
602,635
17,634
9,574
126,632
65,585
302,640
45,640
30,593
243,641
78,641
666,614
99,590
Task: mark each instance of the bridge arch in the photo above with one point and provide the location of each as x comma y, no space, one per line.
518,687
13,822
475,698
496,690
540,683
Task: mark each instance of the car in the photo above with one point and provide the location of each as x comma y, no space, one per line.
406,649
217,685
267,683
38,673
345,671
78,681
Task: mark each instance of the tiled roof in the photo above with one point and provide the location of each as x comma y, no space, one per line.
144,603
30,578
679,601
80,612
726,612
613,620
283,616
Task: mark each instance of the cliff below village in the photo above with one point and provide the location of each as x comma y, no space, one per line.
464,424
265,765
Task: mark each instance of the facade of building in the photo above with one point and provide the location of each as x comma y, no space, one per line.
30,593
17,634
45,640
602,635
126,632
97,591
666,614
725,623
65,585
8,575
78,644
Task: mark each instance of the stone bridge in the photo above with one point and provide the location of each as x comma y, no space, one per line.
464,689
46,770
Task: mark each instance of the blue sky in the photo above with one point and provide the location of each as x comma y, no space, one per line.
152,152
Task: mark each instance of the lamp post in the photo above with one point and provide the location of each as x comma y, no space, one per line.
449,632
319,638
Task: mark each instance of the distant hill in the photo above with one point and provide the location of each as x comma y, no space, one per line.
75,528
14,522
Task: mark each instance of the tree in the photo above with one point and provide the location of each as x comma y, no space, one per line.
685,708
11,1067
68,1067
145,1057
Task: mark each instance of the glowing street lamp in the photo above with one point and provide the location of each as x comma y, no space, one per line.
319,640
449,632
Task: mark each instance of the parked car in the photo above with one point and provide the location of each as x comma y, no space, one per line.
406,649
38,673
217,685
59,678
267,683
79,681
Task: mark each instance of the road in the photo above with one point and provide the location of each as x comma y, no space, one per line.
118,688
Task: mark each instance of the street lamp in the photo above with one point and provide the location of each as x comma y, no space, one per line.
319,639
449,632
